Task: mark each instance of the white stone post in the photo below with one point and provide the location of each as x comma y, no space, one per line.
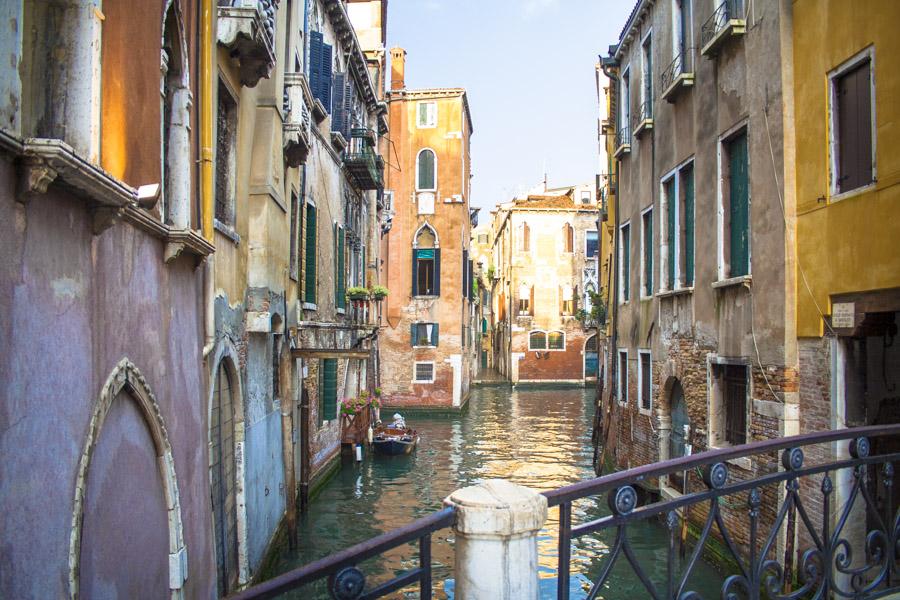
496,540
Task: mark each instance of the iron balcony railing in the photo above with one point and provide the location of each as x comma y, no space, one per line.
836,557
362,162
720,19
623,137
680,65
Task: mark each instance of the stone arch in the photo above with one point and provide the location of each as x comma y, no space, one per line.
225,355
421,229
175,109
126,377
589,362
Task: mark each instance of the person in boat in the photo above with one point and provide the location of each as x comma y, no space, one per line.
399,422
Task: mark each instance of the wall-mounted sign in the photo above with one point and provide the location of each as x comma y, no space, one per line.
843,315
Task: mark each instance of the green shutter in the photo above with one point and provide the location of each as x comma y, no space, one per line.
739,207
626,262
426,170
688,179
434,334
328,393
648,253
412,334
340,278
310,278
671,204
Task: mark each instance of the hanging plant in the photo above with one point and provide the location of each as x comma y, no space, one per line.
358,293
379,292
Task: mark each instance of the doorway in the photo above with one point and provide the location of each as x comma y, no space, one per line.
680,436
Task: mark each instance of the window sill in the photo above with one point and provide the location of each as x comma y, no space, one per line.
423,382
424,347
426,297
645,298
310,306
739,280
854,192
227,230
646,411
676,292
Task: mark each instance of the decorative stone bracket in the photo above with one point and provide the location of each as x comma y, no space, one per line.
247,29
298,119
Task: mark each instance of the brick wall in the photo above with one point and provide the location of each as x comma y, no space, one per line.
552,365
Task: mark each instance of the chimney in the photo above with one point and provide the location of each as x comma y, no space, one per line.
398,68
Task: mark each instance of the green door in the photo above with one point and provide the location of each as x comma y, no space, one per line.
670,230
687,176
739,207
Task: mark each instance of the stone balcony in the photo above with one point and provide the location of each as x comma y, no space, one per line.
297,119
247,29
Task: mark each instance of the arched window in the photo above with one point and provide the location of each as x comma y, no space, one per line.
556,340
426,170
175,104
537,340
426,263
568,238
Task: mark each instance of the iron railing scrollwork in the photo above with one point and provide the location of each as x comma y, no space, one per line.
836,562
680,65
623,137
720,18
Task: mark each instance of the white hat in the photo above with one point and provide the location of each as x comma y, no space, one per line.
398,416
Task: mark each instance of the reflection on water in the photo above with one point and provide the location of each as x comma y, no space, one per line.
540,438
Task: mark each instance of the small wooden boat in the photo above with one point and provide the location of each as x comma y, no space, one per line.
394,441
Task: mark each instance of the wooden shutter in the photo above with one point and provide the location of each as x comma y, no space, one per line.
316,41
687,178
415,273
671,205
735,404
339,115
310,278
465,273
437,272
434,334
645,381
648,253
341,268
626,262
325,82
854,113
739,207
328,393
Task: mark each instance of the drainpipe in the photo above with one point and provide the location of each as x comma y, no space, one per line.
207,69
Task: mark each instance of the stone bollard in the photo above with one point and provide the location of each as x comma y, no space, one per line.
496,540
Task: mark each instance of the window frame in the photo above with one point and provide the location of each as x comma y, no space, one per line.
649,409
523,238
432,343
647,72
717,402
416,364
231,180
723,267
434,175
563,334
622,388
429,123
624,100
587,235
851,63
532,348
647,272
624,270
675,250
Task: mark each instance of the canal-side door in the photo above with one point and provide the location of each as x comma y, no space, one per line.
678,439
222,477
591,358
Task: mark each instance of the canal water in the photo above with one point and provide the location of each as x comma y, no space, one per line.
538,437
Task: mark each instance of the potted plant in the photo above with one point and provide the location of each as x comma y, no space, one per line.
358,293
379,292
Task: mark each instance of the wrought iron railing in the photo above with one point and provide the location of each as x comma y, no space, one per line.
720,18
365,166
826,565
829,564
679,66
623,137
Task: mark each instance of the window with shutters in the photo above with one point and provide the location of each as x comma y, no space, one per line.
729,404
591,243
647,253
567,295
295,236
622,383
424,372
343,95
568,238
309,277
645,378
426,263
677,232
226,155
426,169
340,267
685,275
327,390
734,256
423,335
482,238
624,262
320,68
525,293
426,115
852,124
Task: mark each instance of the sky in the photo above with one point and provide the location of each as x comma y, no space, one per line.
528,69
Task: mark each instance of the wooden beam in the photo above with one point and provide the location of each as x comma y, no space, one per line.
330,353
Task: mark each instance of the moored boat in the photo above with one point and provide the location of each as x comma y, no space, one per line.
394,441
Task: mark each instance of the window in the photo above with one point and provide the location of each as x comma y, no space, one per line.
591,244
556,340
647,253
482,238
309,280
735,190
678,233
729,407
340,259
524,238
320,68
622,390
681,23
852,119
537,340
585,196
328,390
426,114
625,101
568,238
645,376
525,292
424,372
624,264
226,144
175,105
423,334
567,294
426,263
426,164
646,79
295,237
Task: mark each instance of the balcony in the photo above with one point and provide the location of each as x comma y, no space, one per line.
727,21
297,119
363,164
247,29
644,119
623,142
678,76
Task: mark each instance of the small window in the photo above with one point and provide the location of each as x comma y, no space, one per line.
736,209
537,340
729,407
556,340
424,372
568,238
226,154
425,170
645,376
426,264
624,262
567,294
591,244
852,143
482,238
647,253
585,197
424,272
622,391
424,334
426,115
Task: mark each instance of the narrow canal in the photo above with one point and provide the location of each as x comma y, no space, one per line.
540,438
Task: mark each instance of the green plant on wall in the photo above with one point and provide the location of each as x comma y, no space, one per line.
491,271
357,293
379,292
598,308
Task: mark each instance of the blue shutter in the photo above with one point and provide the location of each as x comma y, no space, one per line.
338,114
434,335
325,82
412,334
315,63
437,271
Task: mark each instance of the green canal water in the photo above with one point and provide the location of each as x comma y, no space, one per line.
538,437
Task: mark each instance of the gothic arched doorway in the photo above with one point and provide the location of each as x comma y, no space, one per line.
222,477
